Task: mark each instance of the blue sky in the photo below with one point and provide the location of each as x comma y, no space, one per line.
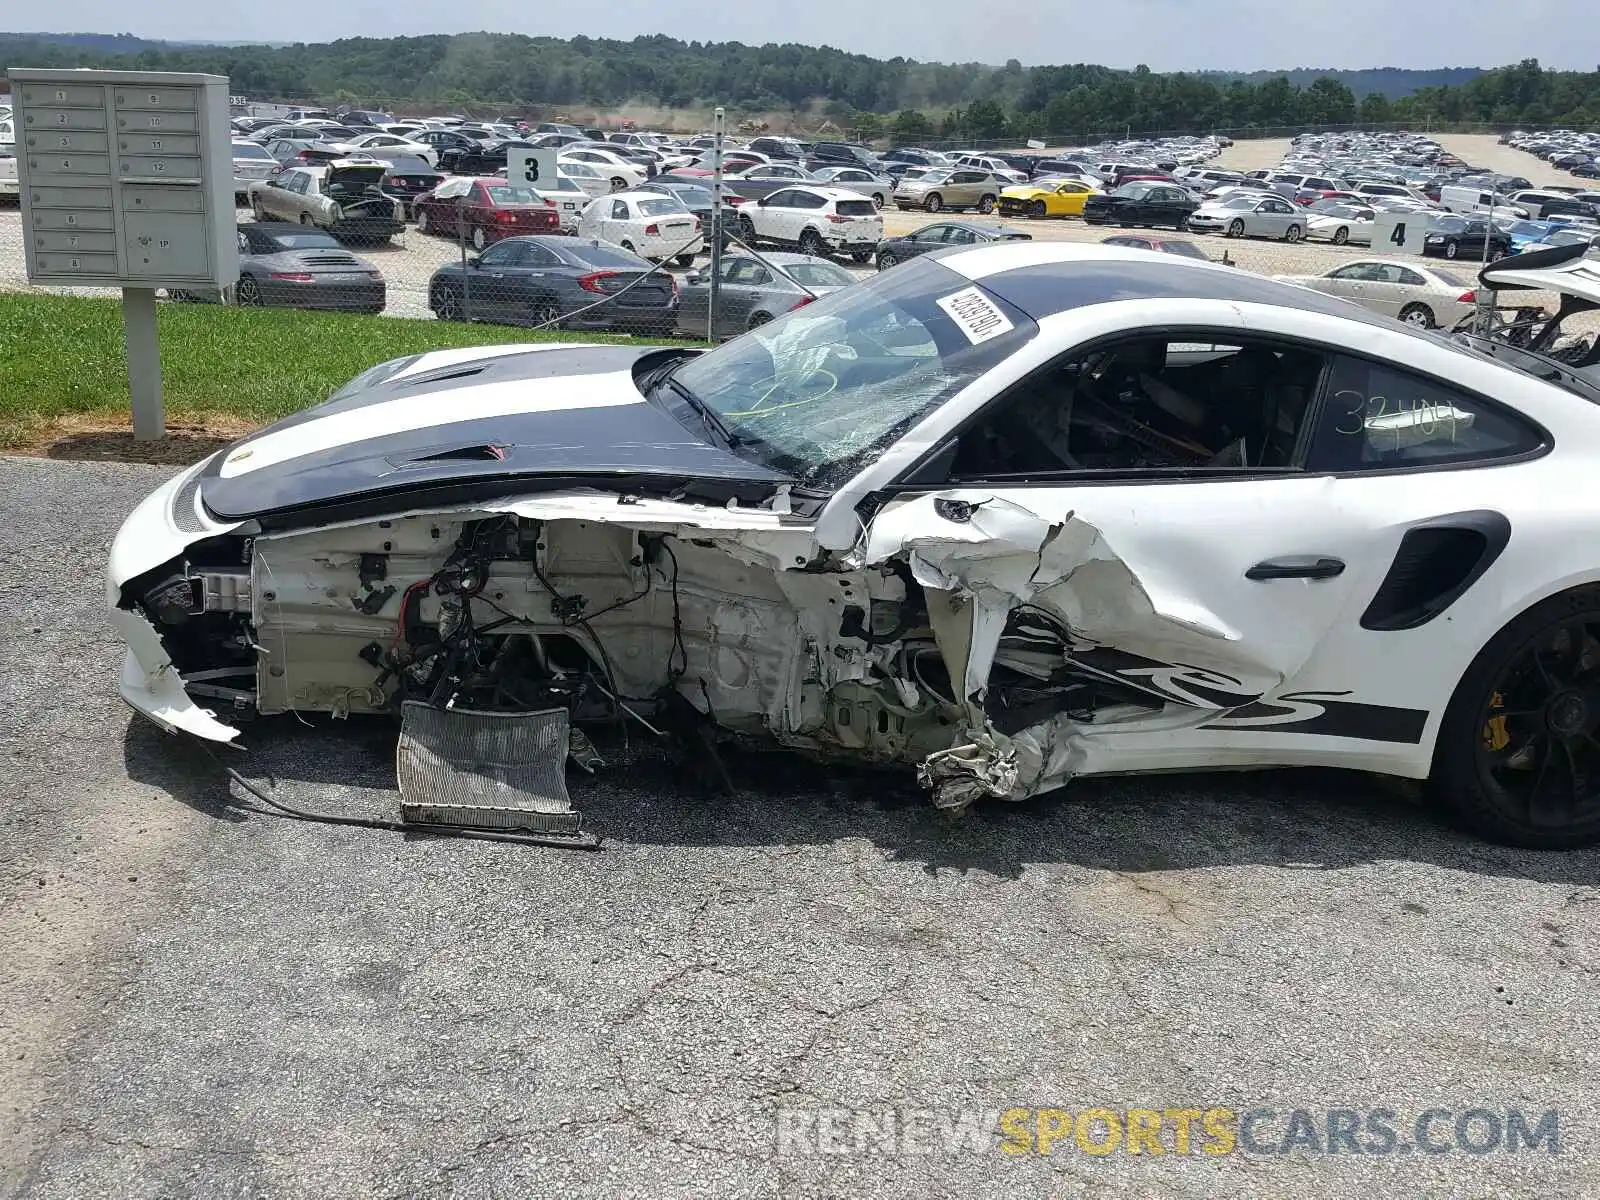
1167,35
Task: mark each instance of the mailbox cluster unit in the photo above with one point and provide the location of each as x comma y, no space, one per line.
126,178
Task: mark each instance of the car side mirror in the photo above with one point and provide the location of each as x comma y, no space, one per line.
474,261
693,277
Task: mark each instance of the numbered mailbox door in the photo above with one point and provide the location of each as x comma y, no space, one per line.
162,245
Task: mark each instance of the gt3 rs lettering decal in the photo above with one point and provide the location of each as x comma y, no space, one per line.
1323,714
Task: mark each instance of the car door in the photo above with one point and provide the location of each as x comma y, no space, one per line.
931,237
740,290
495,281
1348,282
1205,584
1384,290
1272,218
616,224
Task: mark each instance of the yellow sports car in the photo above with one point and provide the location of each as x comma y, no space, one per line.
1057,198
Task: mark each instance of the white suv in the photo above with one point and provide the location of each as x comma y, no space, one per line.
816,220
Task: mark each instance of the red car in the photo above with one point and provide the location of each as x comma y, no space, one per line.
484,210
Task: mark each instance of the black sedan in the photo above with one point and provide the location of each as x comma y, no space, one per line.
1463,237
936,237
698,200
1141,204
483,158
570,283
295,266
409,177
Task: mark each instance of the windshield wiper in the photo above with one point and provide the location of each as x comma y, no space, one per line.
710,416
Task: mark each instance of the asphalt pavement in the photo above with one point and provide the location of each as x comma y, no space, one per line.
202,1001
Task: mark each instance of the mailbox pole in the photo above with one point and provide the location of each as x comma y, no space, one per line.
144,362
126,182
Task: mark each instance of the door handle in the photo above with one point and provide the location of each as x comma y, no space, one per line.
1296,568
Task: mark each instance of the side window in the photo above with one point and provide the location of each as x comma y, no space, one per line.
502,254
960,237
937,234
1410,278
1157,403
535,255
809,200
1359,271
619,210
1377,417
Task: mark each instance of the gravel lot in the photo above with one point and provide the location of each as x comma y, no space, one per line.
203,1001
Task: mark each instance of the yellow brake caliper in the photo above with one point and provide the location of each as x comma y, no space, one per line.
1496,736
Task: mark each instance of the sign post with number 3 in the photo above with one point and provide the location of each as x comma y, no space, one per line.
534,168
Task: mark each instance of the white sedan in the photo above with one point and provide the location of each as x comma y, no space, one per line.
619,172
1340,223
1250,216
648,224
1422,296
388,145
1009,516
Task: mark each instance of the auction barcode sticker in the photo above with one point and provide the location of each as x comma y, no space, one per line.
975,315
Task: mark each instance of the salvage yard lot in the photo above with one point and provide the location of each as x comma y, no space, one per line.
202,1000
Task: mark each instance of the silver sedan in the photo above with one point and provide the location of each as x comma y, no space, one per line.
857,179
754,290
1250,216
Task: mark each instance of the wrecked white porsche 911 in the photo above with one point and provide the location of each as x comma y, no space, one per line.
1009,515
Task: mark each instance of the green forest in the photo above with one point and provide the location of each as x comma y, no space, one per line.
898,97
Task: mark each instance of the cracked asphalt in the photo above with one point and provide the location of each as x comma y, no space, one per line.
202,1001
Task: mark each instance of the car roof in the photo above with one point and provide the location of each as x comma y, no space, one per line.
831,193
1045,278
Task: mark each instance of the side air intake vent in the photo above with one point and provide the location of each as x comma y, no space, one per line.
1435,564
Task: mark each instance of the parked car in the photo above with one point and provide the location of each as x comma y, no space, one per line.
1178,246
764,178
956,188
840,154
653,226
1567,235
290,266
1524,234
620,173
390,146
1544,205
1420,296
1351,544
445,142
875,187
484,210
345,197
815,220
699,200
1250,216
585,178
1455,236
1340,223
567,198
753,291
484,158
1141,204
251,162
543,280
1046,198
406,178
785,148
896,250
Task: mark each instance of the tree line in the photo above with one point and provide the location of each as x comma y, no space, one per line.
899,97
